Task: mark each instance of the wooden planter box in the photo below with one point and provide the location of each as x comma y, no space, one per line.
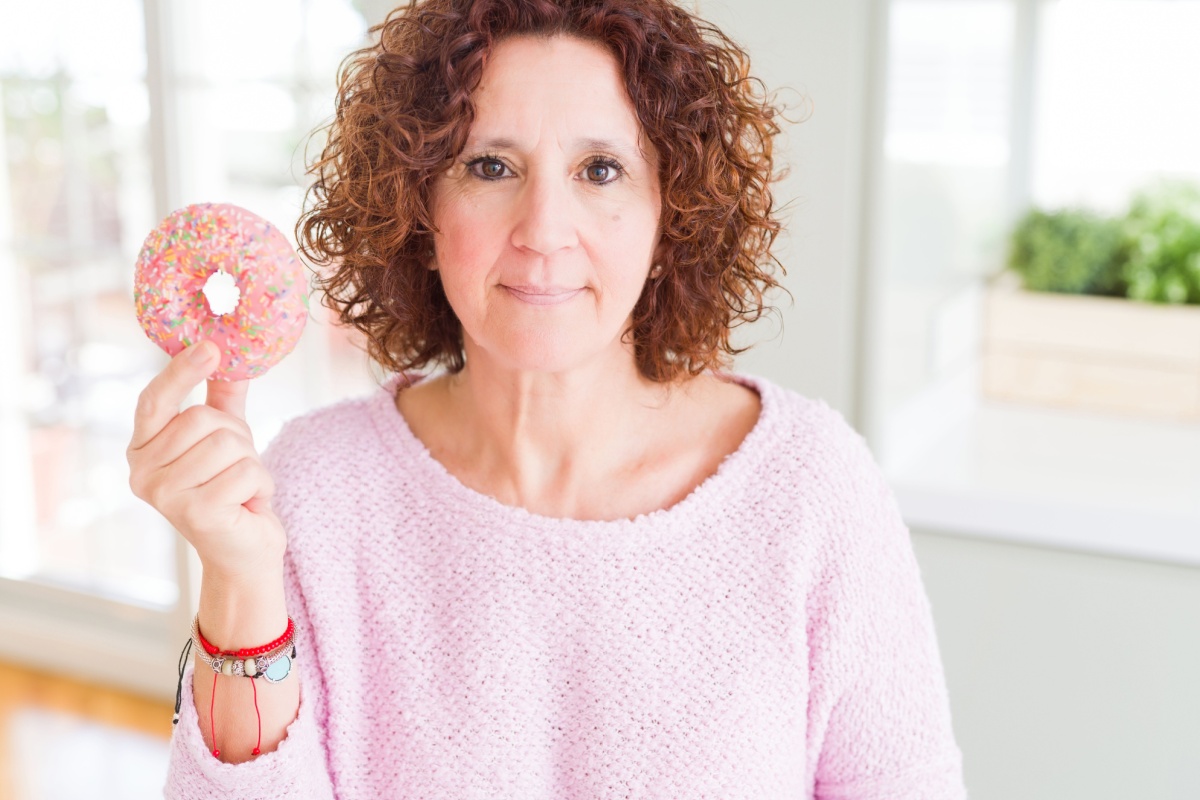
1087,352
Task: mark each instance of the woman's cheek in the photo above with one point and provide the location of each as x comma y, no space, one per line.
470,235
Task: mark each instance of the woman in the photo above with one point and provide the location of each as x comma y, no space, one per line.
584,559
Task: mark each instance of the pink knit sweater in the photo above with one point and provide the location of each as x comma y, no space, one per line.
768,637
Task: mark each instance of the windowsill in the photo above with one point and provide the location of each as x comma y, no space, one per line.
1088,481
103,640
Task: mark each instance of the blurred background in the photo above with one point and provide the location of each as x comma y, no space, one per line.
993,242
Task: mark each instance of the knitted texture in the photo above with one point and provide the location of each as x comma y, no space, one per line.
769,636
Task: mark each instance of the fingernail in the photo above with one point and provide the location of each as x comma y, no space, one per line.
199,353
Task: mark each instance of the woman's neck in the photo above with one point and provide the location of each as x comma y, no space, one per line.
559,443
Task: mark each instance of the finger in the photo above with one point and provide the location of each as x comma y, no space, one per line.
159,402
228,396
240,483
216,505
188,429
158,459
210,457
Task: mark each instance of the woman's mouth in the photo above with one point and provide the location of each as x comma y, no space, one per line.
543,297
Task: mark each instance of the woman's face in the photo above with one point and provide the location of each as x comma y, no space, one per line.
549,218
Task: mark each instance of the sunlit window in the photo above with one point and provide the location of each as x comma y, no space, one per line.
81,177
76,196
1079,102
1117,85
990,107
944,178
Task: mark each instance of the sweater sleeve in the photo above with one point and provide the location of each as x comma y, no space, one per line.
297,768
878,687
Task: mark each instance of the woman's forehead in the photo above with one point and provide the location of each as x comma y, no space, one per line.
563,85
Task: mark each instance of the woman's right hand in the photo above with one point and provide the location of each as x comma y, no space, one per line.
200,470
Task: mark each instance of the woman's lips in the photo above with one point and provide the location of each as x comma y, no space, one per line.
543,298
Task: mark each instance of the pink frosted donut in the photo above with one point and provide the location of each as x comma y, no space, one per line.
217,271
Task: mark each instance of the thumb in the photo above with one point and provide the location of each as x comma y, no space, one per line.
228,396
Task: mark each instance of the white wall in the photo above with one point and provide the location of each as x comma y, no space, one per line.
816,54
1072,676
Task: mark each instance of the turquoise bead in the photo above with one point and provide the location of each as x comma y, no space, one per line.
279,670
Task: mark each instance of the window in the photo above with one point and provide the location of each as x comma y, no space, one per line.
1113,106
113,115
989,106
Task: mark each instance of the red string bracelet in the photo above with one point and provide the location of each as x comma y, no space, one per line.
212,725
257,744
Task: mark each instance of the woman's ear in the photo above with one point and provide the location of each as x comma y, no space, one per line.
656,259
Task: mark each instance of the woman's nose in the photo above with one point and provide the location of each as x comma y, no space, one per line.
545,215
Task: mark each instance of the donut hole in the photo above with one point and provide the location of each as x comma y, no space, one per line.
222,293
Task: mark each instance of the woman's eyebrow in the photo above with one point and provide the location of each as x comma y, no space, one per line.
495,143
618,147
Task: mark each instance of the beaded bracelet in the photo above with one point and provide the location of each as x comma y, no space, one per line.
212,649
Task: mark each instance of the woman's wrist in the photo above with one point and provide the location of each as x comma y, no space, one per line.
237,614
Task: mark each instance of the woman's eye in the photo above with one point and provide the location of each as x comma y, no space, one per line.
598,171
490,167
603,172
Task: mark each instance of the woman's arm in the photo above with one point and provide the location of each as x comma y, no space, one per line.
879,701
294,718
294,760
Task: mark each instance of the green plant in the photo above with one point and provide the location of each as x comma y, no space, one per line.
1162,244
1072,251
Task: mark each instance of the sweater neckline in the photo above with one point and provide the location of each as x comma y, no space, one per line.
715,491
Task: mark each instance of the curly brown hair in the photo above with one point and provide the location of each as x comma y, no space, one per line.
403,114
